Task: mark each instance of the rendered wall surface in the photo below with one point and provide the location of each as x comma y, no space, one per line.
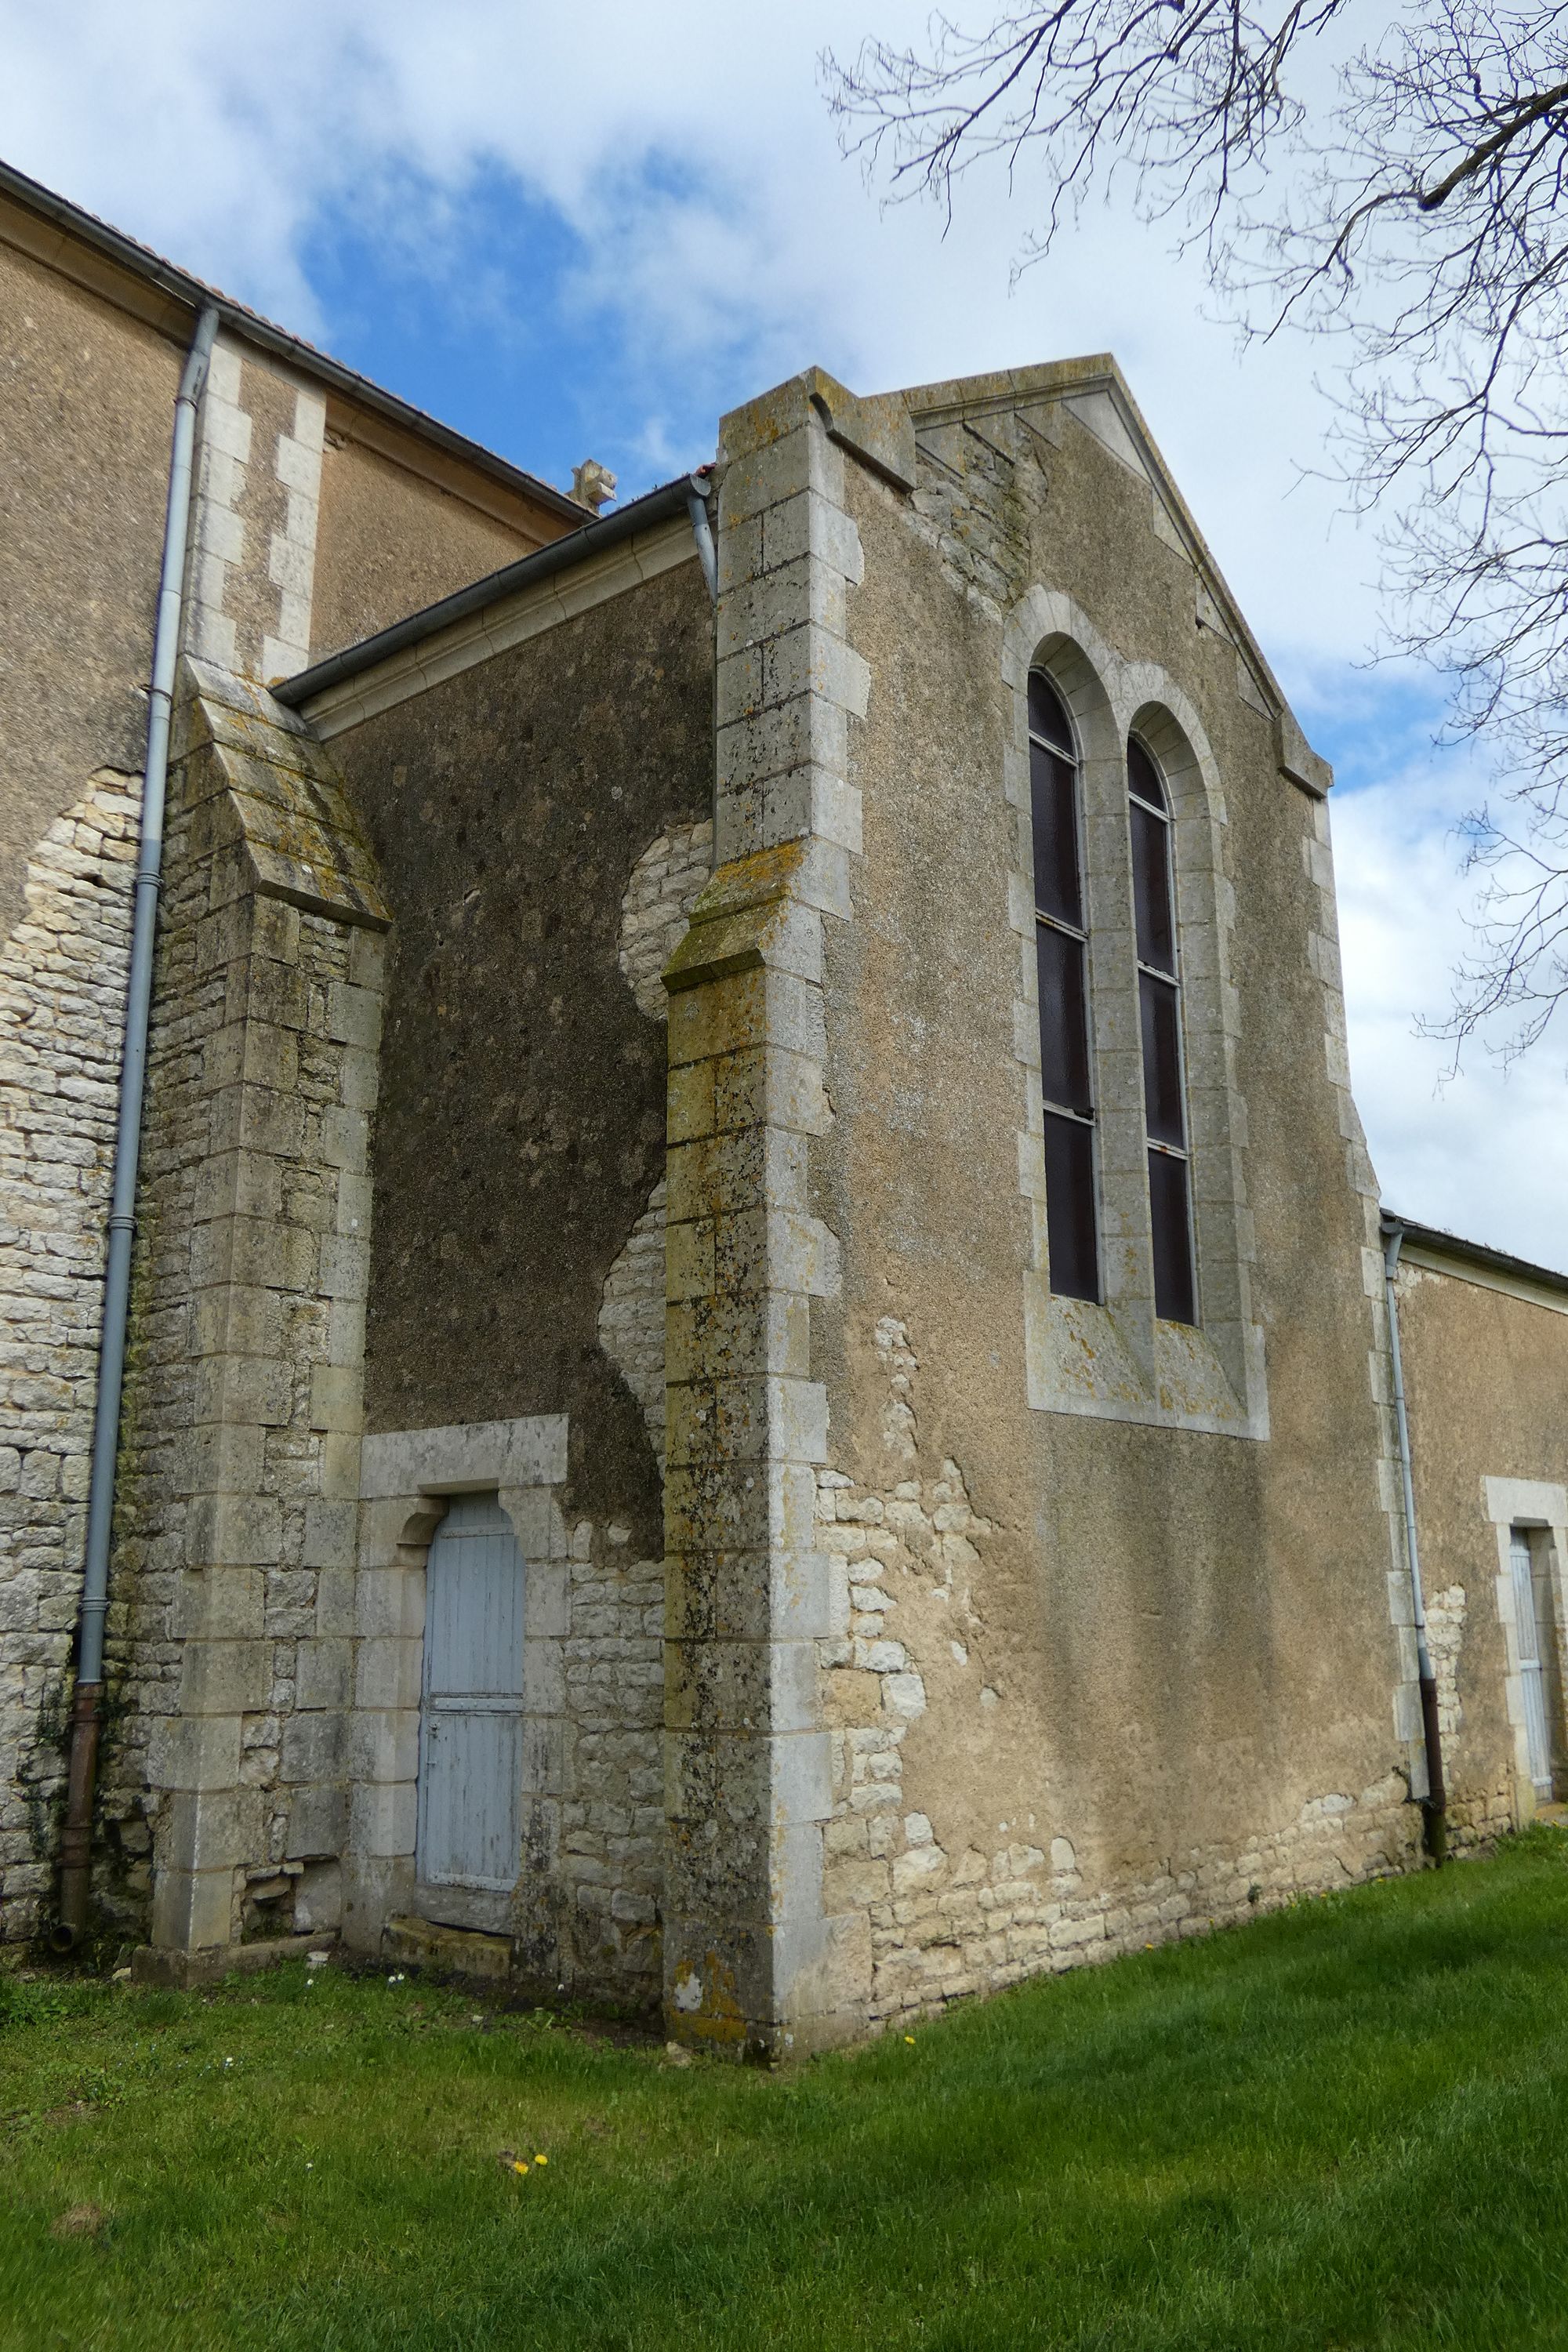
1485,1379
538,819
392,541
84,429
1099,1682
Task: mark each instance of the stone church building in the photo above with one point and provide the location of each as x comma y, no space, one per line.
758,1367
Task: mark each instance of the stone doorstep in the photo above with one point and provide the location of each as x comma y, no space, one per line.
452,1951
154,1964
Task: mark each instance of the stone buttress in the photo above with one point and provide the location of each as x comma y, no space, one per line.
232,1598
751,1959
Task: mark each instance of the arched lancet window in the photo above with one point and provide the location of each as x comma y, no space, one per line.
1160,1009
1062,959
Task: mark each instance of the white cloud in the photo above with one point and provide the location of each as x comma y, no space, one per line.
701,172
688,151
1481,1152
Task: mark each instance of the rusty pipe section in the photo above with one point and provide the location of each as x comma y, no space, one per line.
75,1841
1435,1804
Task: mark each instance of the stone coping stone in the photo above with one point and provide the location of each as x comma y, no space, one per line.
452,1951
156,1964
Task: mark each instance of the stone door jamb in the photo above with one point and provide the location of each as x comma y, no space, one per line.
408,1477
1527,1503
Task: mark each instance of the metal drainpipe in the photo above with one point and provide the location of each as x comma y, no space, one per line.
702,532
1436,1806
76,1842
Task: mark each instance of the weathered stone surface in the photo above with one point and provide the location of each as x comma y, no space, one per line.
91,362
451,1952
236,1416
751,1957
667,882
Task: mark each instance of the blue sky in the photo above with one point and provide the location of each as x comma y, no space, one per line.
587,234
477,306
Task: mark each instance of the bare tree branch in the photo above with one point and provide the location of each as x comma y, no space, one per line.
1417,217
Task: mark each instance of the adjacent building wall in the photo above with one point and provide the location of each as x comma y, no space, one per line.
398,533
316,525
1486,1373
85,422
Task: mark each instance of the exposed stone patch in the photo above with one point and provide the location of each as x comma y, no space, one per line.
62,994
1446,1613
612,1820
631,1319
667,881
942,1924
966,504
920,1528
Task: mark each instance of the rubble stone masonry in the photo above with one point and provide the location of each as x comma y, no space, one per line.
62,989
913,1567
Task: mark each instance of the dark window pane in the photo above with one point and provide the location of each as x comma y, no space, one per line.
1162,1061
1151,889
1069,1208
1053,795
1143,776
1064,1026
1047,715
1173,1238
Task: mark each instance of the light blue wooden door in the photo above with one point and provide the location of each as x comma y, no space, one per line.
470,1725
1527,1627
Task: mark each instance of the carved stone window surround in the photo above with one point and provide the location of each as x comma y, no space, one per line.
1119,1360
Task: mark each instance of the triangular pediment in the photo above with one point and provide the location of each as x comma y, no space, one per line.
1091,394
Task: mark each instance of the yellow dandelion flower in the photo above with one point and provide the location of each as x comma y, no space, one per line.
518,2167
542,2159
909,2037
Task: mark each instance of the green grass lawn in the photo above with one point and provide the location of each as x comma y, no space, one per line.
1343,2125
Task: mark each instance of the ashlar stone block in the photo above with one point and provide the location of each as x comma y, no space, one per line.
323,1671
193,1910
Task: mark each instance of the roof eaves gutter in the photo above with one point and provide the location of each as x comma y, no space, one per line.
1477,1254
596,538
141,262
